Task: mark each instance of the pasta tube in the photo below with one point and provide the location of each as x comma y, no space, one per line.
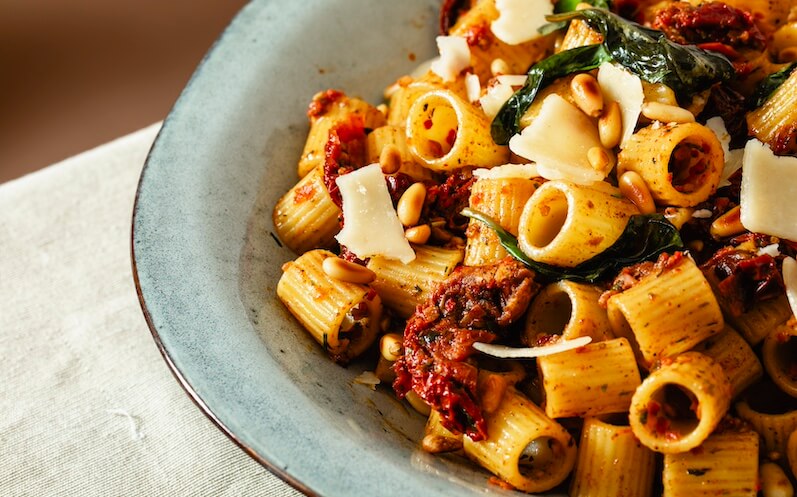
791,452
611,463
394,137
774,428
565,224
526,448
502,199
779,354
445,132
306,217
680,163
598,378
437,438
774,122
667,312
326,110
475,24
725,464
342,317
737,359
404,286
678,406
569,309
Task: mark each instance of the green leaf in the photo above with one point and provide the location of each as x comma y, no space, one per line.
568,6
645,237
647,53
541,74
771,83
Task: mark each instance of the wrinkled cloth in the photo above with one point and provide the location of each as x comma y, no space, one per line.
87,404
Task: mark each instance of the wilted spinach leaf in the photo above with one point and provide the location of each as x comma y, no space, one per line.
541,74
645,52
771,83
645,237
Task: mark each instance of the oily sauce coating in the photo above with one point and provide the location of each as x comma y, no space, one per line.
475,304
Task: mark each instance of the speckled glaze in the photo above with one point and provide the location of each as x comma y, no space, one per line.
206,265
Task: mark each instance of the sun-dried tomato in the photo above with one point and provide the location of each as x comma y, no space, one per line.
710,22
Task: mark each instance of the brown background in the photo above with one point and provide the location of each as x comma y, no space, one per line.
77,73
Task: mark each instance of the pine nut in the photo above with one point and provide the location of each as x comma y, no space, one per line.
788,55
391,346
383,108
349,272
774,482
410,204
665,113
728,224
390,159
499,66
491,391
587,94
610,125
600,159
678,216
435,444
634,188
418,403
418,234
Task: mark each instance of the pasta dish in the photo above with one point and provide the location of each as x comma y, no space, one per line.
568,242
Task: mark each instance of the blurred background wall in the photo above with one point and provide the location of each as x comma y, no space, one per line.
77,73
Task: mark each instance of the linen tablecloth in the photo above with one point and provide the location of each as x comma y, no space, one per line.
88,406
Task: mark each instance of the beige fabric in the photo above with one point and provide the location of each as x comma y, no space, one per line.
87,404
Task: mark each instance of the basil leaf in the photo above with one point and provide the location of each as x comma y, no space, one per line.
647,53
568,6
644,238
541,74
771,83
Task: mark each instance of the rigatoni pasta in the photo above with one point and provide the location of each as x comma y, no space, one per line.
581,216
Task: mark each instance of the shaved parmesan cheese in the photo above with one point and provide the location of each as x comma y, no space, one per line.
371,225
769,186
505,352
454,57
512,79
770,250
625,88
495,98
733,158
526,171
702,214
472,87
519,20
557,140
790,281
368,379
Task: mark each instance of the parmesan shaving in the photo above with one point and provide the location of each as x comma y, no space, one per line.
769,186
558,140
702,214
368,379
525,171
770,250
505,352
495,98
454,57
512,79
733,158
625,88
472,87
790,281
519,21
371,226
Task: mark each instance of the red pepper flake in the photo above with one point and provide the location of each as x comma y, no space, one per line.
451,137
322,101
428,124
303,194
